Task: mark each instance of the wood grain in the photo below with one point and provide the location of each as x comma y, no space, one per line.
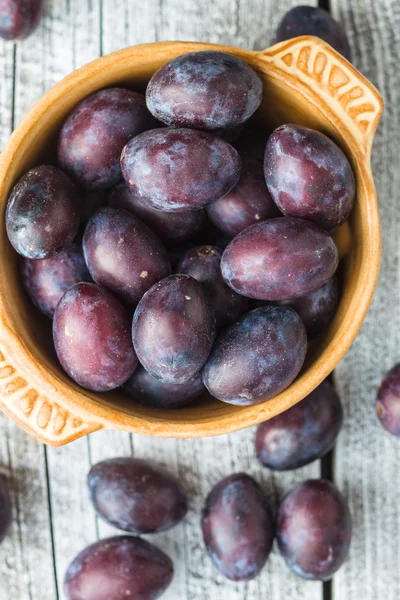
11,581
367,458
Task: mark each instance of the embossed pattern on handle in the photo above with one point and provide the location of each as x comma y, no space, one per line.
328,75
46,420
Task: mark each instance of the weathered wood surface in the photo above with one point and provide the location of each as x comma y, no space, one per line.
53,518
367,458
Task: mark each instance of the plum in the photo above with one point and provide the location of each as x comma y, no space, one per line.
248,202
317,308
237,527
19,18
118,568
279,259
174,328
388,401
123,254
311,20
5,508
42,213
171,228
150,391
135,495
179,170
93,136
257,357
203,263
204,90
46,280
301,434
309,176
91,332
314,529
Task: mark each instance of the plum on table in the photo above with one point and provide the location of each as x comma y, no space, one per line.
237,527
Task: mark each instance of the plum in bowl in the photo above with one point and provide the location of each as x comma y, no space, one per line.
35,391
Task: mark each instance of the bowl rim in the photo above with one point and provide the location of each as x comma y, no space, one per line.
72,411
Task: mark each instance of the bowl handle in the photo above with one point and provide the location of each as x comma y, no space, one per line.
47,421
328,77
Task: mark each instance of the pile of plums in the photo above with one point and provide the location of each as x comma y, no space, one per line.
146,186
313,525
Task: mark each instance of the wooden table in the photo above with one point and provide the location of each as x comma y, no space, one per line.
53,519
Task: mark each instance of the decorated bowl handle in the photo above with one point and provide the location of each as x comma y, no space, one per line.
47,421
329,77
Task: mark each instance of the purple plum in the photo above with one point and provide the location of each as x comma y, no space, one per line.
279,259
118,568
204,90
123,254
42,212
174,329
135,495
179,170
311,20
19,18
301,434
388,401
237,527
314,529
91,332
93,136
309,176
256,358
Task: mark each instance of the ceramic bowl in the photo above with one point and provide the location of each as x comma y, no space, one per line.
305,82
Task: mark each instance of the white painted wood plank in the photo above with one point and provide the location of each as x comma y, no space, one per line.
201,463
368,458
246,23
73,520
68,37
25,553
25,483
27,569
6,90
